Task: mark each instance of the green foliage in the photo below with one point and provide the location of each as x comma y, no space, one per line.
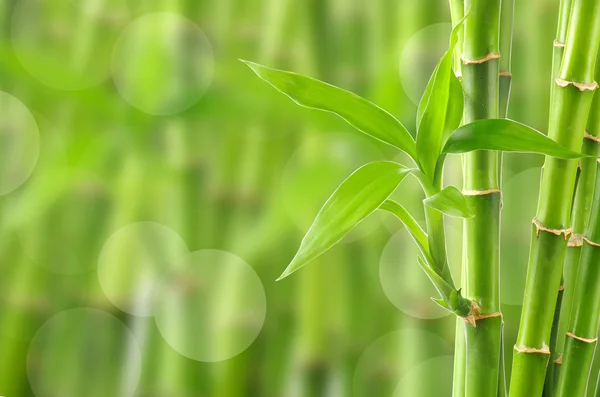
356,198
440,109
358,112
417,234
504,135
451,202
439,114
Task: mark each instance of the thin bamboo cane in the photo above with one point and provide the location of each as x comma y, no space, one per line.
576,359
563,301
457,11
571,100
480,70
505,83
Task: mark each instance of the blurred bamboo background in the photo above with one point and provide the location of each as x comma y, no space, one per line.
145,116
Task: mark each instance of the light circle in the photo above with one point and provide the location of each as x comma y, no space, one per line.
66,44
83,352
162,63
420,55
211,307
133,260
19,143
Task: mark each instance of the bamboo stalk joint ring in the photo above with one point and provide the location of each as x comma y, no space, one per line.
580,86
582,339
541,228
492,55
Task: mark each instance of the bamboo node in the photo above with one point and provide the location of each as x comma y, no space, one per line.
589,136
488,57
590,242
580,86
576,240
473,313
458,74
582,339
558,360
533,350
479,192
506,73
474,318
541,228
558,44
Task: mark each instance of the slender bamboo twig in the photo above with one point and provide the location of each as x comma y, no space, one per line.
480,66
582,305
571,100
457,12
505,83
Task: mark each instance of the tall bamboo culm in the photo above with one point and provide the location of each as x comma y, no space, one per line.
579,336
480,69
562,308
571,97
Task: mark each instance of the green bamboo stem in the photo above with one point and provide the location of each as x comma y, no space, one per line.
572,255
558,50
581,212
506,36
480,70
568,115
457,11
577,356
581,338
505,84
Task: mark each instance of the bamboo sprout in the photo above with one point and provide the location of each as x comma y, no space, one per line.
571,100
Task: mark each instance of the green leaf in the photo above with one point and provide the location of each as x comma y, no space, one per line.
435,109
456,104
356,198
417,234
358,112
451,202
507,136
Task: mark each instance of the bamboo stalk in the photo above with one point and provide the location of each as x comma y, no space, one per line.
577,357
581,214
457,11
482,176
563,301
570,105
505,84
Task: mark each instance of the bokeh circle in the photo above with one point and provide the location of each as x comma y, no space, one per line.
83,352
20,143
133,260
211,307
162,63
66,44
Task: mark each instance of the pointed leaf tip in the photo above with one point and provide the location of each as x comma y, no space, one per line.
450,201
357,197
362,114
507,136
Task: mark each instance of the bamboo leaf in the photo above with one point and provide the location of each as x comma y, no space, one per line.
456,104
358,112
417,234
504,135
435,109
451,202
357,197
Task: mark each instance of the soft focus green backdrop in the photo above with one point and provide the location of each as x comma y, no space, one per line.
132,137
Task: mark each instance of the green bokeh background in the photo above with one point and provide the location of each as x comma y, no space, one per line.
171,128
